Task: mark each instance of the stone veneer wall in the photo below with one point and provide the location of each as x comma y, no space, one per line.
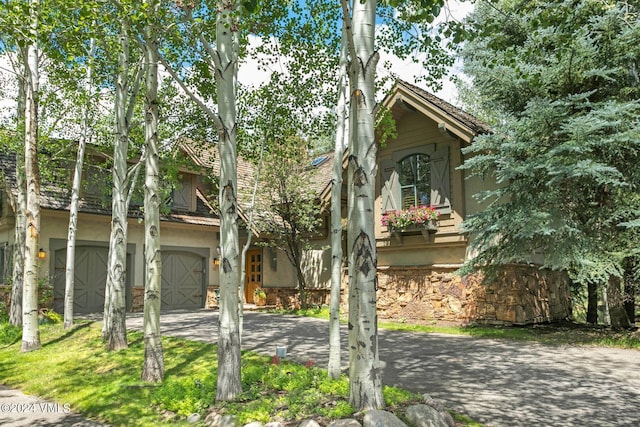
517,295
420,293
137,298
5,295
45,296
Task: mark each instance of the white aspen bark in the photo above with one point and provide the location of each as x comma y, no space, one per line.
30,328
15,310
365,377
116,333
229,383
153,368
20,207
333,367
75,197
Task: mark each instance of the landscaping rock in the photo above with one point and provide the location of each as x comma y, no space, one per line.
273,424
424,416
254,424
309,423
217,420
436,404
212,419
193,418
448,419
347,422
377,418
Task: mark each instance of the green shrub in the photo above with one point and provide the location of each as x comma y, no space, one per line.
4,312
394,396
342,409
186,396
49,317
9,334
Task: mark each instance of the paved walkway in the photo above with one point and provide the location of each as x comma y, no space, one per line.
496,382
20,410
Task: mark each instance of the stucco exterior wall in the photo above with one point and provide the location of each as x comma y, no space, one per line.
97,228
278,273
447,245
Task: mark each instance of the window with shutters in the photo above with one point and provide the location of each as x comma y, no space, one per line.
182,193
415,178
415,181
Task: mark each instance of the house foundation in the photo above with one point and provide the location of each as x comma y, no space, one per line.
518,295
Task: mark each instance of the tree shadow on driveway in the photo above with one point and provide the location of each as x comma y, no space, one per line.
496,382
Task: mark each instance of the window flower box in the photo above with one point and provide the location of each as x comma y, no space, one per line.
417,220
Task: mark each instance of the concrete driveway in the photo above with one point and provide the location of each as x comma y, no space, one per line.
496,382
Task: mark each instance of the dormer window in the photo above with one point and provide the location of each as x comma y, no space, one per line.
183,193
415,181
416,177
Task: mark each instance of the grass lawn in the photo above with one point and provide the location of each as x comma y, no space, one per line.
73,368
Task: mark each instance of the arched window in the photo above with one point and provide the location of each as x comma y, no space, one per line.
415,181
411,178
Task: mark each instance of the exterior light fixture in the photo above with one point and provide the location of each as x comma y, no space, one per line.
216,261
42,254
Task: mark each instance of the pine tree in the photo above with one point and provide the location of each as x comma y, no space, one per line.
558,81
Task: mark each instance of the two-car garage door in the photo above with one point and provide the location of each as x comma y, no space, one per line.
183,278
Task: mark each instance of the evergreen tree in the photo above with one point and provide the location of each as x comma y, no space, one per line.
559,84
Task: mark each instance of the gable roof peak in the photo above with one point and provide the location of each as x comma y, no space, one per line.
413,98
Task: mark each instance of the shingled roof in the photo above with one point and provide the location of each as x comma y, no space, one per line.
207,157
56,196
457,121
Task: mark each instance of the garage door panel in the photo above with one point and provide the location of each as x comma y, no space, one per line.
90,278
182,280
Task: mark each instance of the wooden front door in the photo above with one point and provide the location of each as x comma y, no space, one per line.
253,278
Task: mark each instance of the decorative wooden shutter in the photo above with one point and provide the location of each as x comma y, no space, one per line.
440,180
390,187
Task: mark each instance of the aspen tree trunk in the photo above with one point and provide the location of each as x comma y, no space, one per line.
30,328
20,207
116,333
333,368
20,228
153,369
364,367
229,383
75,198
